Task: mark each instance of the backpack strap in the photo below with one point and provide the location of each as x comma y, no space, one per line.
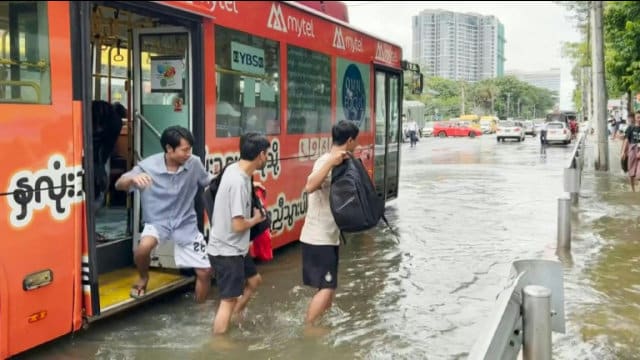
344,239
384,218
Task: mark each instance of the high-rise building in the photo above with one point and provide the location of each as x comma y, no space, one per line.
458,46
547,79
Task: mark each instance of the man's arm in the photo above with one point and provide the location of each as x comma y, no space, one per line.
134,177
238,197
317,177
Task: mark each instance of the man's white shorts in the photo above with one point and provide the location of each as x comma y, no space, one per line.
189,255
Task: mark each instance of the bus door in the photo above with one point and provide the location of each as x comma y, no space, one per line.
388,132
162,97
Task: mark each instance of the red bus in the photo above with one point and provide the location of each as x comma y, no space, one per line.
220,68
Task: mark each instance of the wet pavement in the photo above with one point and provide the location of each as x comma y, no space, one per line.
467,208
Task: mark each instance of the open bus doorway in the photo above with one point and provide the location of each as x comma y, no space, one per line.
141,60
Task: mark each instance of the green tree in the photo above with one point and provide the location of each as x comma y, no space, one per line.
622,50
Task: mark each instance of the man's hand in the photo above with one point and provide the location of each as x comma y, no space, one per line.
142,181
258,184
258,215
338,157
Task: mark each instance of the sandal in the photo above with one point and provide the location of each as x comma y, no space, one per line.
138,291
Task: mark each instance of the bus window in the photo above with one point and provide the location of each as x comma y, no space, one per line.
248,69
25,67
308,91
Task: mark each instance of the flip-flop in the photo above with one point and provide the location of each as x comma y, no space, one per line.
138,292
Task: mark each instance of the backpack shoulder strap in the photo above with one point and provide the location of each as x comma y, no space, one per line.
384,218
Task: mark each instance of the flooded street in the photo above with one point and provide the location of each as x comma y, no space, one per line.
467,208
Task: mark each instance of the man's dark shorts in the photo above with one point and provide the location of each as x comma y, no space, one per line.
320,266
231,272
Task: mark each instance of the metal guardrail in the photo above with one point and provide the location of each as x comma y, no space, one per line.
532,305
517,321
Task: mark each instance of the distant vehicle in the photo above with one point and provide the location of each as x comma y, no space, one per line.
561,116
510,129
462,128
529,128
427,130
489,124
558,132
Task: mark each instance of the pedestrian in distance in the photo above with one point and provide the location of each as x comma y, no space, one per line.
237,277
631,150
320,236
412,128
543,138
168,183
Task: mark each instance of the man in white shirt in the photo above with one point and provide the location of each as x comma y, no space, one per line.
320,235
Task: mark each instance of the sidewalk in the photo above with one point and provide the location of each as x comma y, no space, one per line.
602,276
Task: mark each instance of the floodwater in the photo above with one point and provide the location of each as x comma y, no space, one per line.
467,208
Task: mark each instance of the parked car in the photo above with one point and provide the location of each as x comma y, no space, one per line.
510,129
558,132
529,128
451,128
427,130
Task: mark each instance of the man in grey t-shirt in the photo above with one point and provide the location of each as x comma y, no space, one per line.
233,216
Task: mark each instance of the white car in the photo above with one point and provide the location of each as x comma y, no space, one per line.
510,129
427,130
558,132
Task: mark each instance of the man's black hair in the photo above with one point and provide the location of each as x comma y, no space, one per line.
343,131
252,144
171,136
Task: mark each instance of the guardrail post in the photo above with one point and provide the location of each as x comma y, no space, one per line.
564,222
572,181
536,318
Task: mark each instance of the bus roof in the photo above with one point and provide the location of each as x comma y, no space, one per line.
224,13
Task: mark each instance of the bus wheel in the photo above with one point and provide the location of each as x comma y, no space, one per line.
442,134
472,134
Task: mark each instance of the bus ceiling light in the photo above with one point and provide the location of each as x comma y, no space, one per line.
37,279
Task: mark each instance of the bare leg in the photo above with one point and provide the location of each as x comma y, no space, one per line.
249,289
203,283
223,316
320,303
632,180
142,258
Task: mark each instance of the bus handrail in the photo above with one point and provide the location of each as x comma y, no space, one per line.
140,119
32,84
144,120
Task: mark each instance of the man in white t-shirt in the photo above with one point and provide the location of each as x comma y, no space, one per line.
320,235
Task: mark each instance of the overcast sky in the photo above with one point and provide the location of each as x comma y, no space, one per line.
534,31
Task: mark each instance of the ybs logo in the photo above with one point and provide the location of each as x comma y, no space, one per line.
353,95
56,187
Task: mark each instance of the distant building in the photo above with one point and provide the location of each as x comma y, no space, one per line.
458,46
548,79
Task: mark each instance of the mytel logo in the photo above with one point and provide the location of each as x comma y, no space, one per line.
276,19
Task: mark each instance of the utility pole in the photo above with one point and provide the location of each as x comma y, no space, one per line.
599,87
508,100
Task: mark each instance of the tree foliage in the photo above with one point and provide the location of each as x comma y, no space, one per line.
622,49
503,97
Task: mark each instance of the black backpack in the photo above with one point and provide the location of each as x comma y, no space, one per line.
209,198
355,205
